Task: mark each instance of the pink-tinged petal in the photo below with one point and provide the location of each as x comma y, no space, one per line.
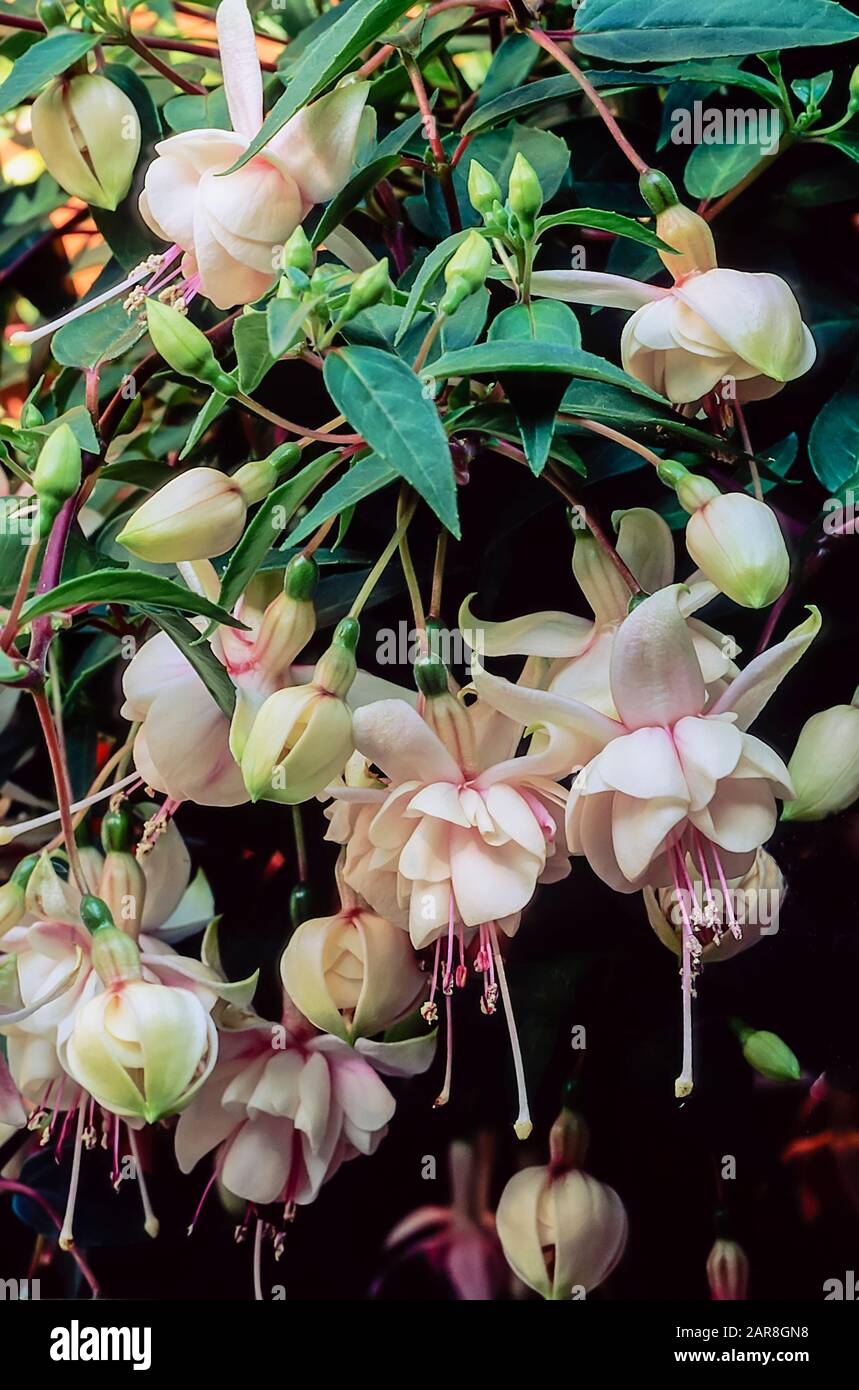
188,748
390,827
709,750
392,735
251,211
639,829
759,760
257,1160
752,688
426,853
742,814
642,764
12,1110
167,201
223,279
551,634
441,800
240,66
511,812
645,545
314,1099
757,316
594,287
167,870
202,1127
317,146
490,882
469,1266
203,149
364,1098
655,676
159,664
654,324
429,910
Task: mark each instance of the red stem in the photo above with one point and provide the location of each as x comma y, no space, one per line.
8,1185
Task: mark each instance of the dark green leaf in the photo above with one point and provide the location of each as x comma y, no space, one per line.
495,358
383,399
625,31
833,444
46,59
199,655
125,586
606,222
365,477
519,101
536,401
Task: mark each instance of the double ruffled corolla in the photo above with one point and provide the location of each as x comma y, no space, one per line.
713,325
231,227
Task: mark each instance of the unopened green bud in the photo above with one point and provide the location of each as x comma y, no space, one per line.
853,103
466,271
31,416
13,894
768,1054
483,190
368,289
297,252
335,669
692,490
524,194
115,956
431,676
255,480
57,475
657,190
185,348
116,829
300,578
52,14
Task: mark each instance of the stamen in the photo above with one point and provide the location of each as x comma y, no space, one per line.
523,1126
429,1010
11,832
140,272
206,1190
685,1082
151,1224
726,893
67,1239
258,1293
444,1094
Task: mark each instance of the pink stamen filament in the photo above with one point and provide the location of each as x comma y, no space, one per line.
729,909
523,1125
444,1094
206,1190
685,1081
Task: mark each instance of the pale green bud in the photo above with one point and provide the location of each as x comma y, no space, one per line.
368,289
524,194
768,1054
466,271
185,348
824,768
737,542
298,252
484,192
88,133
57,475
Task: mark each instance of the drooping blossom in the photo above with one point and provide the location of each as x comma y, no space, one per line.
727,1271
710,326
672,776
454,847
231,226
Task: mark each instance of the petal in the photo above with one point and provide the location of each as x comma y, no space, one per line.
551,634
757,316
240,66
594,287
639,829
317,146
576,731
655,676
168,198
752,688
709,750
392,735
641,764
490,882
257,1160
742,813
645,545
516,1223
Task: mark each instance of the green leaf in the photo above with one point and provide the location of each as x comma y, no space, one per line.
845,142
124,586
253,353
98,336
625,31
199,655
536,402
203,419
812,90
386,158
324,61
606,222
46,59
495,358
270,519
100,652
833,444
365,477
383,399
511,67
712,169
284,318
519,101
79,422
11,670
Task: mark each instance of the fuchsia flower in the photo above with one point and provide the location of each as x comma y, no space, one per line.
231,227
674,775
456,845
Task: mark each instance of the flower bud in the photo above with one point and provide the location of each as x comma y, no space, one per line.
524,194
122,885
353,974
446,715
194,516
693,491
142,1049
657,190
466,271
484,192
297,252
185,348
727,1271
690,236
768,1054
737,543
560,1234
52,14
367,289
57,475
115,957
13,894
824,768
302,736
88,133
853,103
